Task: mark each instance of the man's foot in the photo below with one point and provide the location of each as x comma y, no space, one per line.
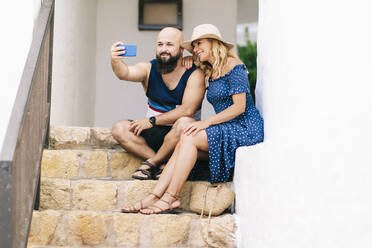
146,171
144,203
165,204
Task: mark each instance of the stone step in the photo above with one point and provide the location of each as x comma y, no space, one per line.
81,138
53,228
103,195
108,163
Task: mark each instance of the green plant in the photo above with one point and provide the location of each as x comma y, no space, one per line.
248,54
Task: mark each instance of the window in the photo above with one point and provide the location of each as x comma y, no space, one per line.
157,14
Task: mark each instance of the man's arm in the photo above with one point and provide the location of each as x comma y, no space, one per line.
136,73
191,101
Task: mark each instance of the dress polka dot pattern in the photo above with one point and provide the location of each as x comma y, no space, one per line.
244,130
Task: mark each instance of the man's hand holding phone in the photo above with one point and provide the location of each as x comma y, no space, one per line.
120,50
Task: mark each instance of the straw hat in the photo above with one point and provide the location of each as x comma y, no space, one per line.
205,31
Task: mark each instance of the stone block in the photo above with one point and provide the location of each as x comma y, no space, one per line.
60,163
69,137
219,233
123,165
102,138
55,193
169,230
130,192
86,228
126,229
94,195
43,226
94,164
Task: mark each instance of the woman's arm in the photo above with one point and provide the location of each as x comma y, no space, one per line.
236,109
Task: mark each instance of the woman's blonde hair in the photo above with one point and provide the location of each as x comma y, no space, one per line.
219,53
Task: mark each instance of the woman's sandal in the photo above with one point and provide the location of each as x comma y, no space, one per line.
133,209
149,172
154,208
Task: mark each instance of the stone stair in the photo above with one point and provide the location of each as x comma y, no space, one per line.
86,179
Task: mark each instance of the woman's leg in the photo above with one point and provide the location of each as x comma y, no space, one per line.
185,158
159,189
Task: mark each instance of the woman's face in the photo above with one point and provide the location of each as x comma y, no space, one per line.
202,49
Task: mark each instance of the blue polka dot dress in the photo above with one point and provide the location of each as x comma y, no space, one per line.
244,130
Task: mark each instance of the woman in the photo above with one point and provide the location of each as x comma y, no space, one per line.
236,123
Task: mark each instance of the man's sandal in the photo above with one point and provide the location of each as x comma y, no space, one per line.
158,210
158,174
133,209
148,172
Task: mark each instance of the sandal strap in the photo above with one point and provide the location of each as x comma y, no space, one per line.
154,207
175,197
169,203
159,171
152,166
145,172
157,197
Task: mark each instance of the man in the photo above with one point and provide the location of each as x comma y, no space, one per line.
173,92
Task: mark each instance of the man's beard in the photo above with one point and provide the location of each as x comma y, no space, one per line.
164,67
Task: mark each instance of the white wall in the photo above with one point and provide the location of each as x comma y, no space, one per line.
74,82
118,20
309,184
16,25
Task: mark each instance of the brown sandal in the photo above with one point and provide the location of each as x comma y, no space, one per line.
153,207
132,209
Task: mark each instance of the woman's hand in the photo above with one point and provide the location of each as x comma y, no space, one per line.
194,127
138,126
187,62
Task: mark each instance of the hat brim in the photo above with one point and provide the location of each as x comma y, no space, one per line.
188,44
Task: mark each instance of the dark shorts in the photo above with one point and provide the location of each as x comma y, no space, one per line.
155,136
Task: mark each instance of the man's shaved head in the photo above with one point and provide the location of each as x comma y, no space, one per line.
172,34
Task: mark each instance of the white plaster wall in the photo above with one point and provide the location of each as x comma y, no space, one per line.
16,25
309,184
74,82
118,20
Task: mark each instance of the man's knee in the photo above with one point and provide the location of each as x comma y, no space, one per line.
120,130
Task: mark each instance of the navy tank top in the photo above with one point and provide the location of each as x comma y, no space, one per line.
160,98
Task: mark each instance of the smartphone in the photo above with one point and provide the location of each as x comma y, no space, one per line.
130,50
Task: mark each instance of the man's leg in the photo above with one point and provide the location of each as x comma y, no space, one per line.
130,142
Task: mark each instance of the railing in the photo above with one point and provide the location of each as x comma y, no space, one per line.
27,135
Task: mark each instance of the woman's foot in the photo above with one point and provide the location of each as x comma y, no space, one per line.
144,203
165,204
